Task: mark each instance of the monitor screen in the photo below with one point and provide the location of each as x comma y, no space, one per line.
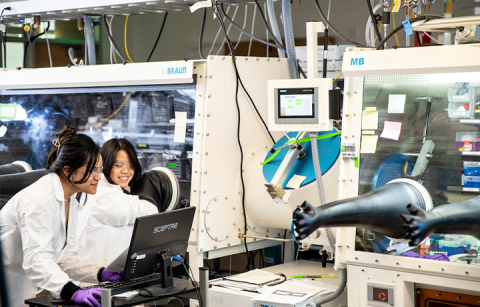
296,103
156,234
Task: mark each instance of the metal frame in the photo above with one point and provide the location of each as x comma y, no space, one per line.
410,270
72,9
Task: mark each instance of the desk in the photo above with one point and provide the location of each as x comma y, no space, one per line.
46,301
221,297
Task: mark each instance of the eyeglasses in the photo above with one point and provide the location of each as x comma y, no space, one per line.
121,164
96,170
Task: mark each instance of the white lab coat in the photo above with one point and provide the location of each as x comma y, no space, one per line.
106,222
36,251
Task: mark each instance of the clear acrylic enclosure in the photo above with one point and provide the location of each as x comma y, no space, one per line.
144,115
442,110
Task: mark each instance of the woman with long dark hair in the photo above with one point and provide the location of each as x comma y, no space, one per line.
107,220
38,227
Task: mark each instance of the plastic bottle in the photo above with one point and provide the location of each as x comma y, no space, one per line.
467,146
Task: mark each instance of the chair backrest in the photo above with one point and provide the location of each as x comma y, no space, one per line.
11,184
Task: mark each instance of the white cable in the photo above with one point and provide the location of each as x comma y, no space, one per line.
115,51
48,47
86,55
253,27
228,31
266,18
328,12
244,23
369,29
218,32
109,27
431,37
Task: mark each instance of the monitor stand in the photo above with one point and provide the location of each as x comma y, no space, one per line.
167,285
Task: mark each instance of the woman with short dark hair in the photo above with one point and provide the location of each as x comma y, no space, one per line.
107,220
38,226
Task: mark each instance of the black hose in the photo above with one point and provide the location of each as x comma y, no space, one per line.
29,42
374,20
329,25
158,37
245,32
232,51
266,24
325,51
4,56
200,40
418,39
4,42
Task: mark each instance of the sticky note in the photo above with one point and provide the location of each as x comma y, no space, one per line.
396,103
369,144
180,127
295,181
391,130
369,119
8,111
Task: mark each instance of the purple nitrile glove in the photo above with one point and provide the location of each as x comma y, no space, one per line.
111,276
88,297
441,256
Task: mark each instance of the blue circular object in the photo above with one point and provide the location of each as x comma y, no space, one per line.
328,152
390,169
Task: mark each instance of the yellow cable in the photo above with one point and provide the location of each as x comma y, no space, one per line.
378,30
125,39
393,20
337,77
124,103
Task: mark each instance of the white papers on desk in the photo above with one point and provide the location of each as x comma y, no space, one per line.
237,286
294,291
256,277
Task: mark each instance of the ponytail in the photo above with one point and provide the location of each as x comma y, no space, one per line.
74,151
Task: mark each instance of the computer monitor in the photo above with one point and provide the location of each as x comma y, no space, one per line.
299,105
155,239
3,282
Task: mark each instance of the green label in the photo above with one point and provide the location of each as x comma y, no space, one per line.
342,148
356,162
8,111
298,100
172,164
290,100
290,107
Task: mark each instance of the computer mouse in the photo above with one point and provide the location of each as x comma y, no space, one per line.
144,292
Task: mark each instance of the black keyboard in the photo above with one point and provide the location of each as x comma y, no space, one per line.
131,284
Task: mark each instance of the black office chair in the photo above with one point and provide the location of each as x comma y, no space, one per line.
11,184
